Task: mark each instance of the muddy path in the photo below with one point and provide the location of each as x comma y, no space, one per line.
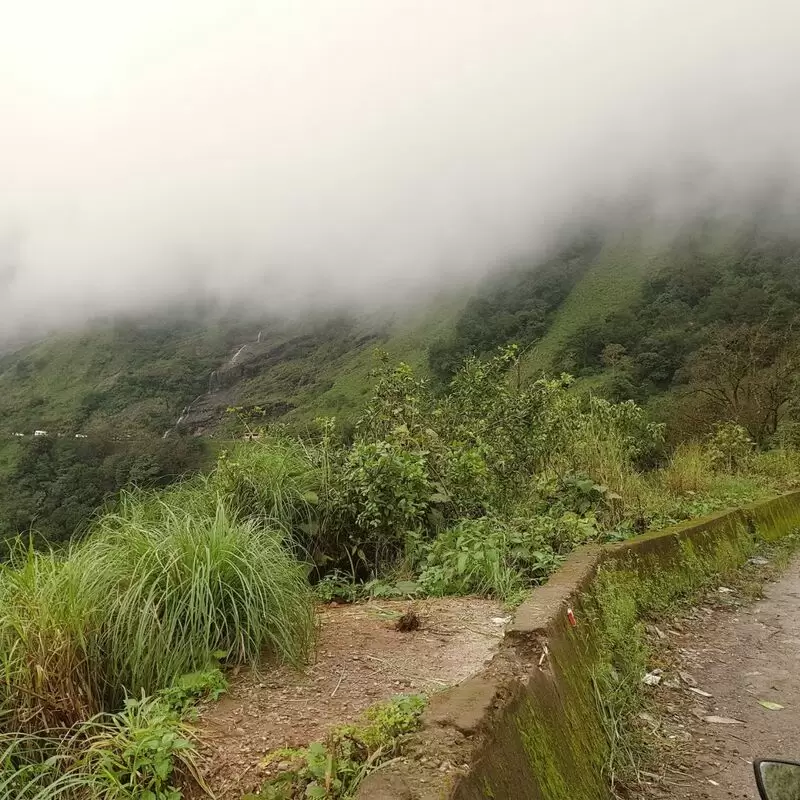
743,654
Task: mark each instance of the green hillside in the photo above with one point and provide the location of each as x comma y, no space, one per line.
699,328
137,377
613,282
329,371
134,375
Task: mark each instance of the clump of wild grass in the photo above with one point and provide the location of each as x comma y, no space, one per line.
145,750
47,677
276,480
690,470
180,589
157,591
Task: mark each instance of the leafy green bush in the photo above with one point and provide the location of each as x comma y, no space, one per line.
486,556
387,490
187,690
338,585
730,446
134,754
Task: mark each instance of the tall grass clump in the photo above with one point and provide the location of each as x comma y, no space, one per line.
279,479
180,589
47,677
37,767
144,751
690,470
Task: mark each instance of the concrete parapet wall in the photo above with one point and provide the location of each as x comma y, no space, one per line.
529,726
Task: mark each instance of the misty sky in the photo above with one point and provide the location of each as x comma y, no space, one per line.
307,151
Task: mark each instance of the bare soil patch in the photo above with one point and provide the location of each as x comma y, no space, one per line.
362,657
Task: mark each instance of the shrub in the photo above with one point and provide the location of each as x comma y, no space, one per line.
486,556
134,754
730,446
187,690
178,590
387,490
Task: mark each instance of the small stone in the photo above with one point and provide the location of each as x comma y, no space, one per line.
654,630
652,678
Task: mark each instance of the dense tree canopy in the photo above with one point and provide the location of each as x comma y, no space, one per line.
57,484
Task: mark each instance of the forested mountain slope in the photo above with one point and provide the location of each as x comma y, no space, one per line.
702,329
699,328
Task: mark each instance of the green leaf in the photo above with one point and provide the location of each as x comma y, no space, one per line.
769,705
163,768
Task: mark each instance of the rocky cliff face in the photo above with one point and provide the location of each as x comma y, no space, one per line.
245,376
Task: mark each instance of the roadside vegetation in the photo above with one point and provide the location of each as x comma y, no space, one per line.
333,769
480,489
471,477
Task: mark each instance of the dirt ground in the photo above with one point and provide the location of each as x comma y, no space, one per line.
740,653
361,659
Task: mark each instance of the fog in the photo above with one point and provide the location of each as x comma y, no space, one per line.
288,154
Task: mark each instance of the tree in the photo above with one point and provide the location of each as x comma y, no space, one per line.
747,374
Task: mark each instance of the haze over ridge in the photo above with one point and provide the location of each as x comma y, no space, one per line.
296,154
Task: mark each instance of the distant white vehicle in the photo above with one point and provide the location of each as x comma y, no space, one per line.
19,434
40,433
81,436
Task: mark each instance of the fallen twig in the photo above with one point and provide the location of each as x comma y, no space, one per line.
338,684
